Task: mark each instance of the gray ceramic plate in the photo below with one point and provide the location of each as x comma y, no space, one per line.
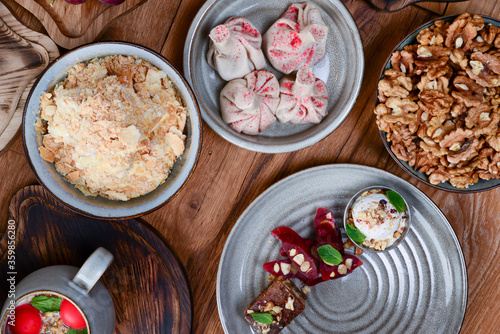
342,70
98,206
482,185
418,287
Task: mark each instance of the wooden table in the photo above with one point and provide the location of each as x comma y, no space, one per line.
228,178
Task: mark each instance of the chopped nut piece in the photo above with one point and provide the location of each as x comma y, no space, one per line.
348,263
285,268
292,252
289,304
342,269
348,244
332,275
276,309
268,307
305,267
358,251
276,268
299,259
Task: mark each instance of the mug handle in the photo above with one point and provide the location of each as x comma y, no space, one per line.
93,268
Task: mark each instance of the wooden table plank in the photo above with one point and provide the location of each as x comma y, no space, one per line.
438,8
227,179
485,7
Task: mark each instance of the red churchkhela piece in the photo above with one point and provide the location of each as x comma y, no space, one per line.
297,250
327,230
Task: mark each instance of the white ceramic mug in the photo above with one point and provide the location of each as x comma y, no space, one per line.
79,286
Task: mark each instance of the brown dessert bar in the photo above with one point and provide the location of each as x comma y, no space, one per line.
282,301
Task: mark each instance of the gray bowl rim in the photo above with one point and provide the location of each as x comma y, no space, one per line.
284,148
351,202
408,169
197,150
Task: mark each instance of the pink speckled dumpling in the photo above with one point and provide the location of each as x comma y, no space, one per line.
249,105
235,49
298,38
303,99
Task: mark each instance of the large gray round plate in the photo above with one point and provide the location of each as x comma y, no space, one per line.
341,69
418,287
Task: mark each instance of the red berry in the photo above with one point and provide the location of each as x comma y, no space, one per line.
71,316
75,2
112,2
28,320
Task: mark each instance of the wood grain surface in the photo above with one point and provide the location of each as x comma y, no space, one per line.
227,179
74,25
395,5
27,54
146,283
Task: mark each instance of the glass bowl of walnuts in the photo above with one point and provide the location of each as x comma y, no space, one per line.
438,103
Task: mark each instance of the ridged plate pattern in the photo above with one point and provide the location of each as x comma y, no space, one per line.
418,287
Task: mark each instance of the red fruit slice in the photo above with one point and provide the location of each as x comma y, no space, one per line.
28,320
311,243
71,316
298,250
327,230
346,267
285,268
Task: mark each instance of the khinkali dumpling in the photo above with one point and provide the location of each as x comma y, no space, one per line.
298,38
235,49
303,99
248,105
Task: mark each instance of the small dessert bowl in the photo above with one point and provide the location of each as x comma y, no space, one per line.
377,218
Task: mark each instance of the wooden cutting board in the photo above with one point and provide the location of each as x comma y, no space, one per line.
394,5
23,55
74,25
146,282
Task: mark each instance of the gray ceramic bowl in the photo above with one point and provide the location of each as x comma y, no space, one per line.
482,185
348,215
64,191
342,70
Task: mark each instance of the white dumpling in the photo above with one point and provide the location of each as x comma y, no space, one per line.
235,49
249,105
298,38
303,98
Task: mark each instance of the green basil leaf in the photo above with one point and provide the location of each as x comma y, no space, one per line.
396,200
330,255
46,304
354,233
263,318
77,331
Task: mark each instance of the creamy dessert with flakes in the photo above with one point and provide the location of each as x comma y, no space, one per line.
373,214
114,127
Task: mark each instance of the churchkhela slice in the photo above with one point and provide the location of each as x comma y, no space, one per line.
249,105
346,267
303,98
235,49
327,231
284,268
299,252
296,39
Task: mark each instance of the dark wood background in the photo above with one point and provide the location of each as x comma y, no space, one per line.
146,282
198,221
